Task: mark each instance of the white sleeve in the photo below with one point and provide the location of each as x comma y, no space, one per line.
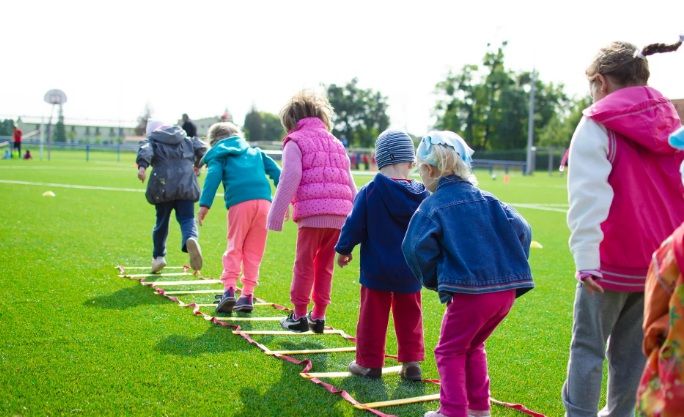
589,193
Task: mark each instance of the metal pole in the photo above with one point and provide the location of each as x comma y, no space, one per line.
530,124
87,152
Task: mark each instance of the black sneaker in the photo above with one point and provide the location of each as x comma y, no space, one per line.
226,302
244,304
300,325
316,326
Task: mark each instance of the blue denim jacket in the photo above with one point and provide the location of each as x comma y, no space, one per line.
464,240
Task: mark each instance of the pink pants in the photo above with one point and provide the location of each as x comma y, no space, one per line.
460,353
246,242
313,270
371,331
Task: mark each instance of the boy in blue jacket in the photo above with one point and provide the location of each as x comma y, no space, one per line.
381,214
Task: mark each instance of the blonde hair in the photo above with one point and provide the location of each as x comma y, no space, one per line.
222,130
626,64
306,104
448,163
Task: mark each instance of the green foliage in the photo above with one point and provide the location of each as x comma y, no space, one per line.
60,131
261,125
273,129
360,114
558,131
6,127
488,105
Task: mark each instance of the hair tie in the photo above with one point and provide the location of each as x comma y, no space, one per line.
681,37
638,54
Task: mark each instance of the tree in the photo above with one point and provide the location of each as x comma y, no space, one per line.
360,114
60,131
141,127
273,129
558,132
254,125
7,127
488,105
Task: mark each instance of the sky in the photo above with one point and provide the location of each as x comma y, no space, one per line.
111,58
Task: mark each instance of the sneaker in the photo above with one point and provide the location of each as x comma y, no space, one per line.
316,326
411,371
244,304
479,413
193,247
227,301
158,264
433,414
295,325
358,370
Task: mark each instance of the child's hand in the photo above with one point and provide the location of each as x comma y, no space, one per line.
141,174
288,215
202,214
343,260
592,285
197,171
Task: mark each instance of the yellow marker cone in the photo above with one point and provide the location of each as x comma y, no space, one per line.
536,245
48,194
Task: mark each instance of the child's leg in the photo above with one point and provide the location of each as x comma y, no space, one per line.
323,271
625,357
185,215
408,325
303,271
595,315
466,318
255,243
371,330
239,220
161,228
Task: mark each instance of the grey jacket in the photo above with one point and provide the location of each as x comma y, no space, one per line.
172,155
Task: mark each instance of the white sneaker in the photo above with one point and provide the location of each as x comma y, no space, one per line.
195,252
158,264
433,414
474,413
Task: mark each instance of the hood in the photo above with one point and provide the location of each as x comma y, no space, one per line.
640,114
171,135
399,197
234,145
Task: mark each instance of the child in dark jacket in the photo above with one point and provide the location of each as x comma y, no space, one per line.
172,186
472,249
378,222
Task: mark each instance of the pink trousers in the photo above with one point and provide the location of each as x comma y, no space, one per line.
371,331
460,353
313,270
246,242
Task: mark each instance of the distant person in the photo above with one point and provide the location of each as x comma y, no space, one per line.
7,154
317,179
366,161
247,194
378,222
173,186
27,155
661,391
473,250
624,199
17,134
189,126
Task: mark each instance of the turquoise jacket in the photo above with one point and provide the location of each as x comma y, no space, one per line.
241,168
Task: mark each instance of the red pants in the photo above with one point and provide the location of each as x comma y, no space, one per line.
313,270
371,331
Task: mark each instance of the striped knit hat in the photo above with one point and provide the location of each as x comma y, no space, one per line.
393,147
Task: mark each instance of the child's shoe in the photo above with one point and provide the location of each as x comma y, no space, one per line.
434,414
195,252
226,302
244,304
299,325
317,325
478,413
411,371
358,370
158,264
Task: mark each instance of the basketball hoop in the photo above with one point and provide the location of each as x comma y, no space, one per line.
55,97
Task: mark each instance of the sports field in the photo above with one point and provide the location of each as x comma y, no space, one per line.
78,340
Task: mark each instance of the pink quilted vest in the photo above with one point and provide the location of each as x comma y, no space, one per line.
324,187
648,201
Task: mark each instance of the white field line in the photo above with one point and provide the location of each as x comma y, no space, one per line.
559,208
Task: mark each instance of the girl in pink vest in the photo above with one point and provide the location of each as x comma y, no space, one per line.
317,180
625,197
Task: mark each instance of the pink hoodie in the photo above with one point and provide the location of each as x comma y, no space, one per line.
648,201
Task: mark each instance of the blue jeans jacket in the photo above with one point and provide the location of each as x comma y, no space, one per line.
464,240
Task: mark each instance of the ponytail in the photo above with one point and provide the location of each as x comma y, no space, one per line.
659,48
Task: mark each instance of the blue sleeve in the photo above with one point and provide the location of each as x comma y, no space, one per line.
520,226
421,248
145,152
272,169
211,183
354,230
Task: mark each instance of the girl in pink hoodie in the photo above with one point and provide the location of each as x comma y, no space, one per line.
317,180
625,197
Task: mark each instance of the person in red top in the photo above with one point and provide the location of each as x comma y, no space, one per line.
17,134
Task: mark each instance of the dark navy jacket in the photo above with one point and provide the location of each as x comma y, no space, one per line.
382,211
464,240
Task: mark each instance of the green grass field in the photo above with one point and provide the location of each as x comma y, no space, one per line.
78,340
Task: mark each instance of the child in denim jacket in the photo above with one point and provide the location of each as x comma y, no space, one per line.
472,249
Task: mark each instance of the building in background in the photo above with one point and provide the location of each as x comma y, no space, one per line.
81,131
